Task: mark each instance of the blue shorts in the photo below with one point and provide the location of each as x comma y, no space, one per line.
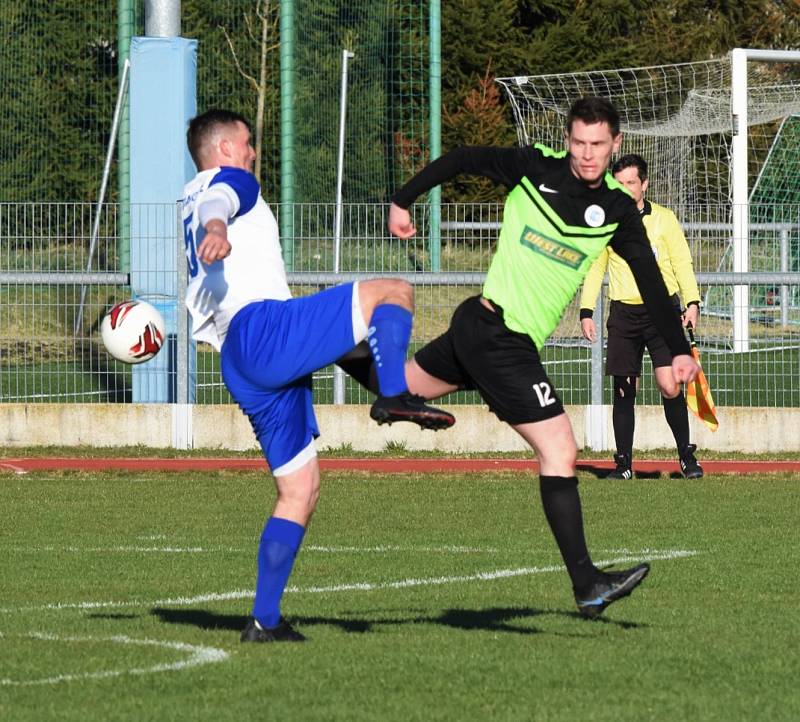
270,351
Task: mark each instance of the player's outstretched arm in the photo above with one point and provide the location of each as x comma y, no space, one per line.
503,166
400,224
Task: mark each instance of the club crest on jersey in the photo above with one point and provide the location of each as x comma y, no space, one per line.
552,249
594,216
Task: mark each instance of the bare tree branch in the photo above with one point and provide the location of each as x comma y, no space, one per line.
259,38
249,25
249,77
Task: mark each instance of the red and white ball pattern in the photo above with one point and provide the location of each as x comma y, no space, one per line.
133,331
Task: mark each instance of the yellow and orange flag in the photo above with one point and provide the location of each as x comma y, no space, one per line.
698,394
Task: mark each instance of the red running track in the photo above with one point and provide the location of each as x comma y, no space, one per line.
383,465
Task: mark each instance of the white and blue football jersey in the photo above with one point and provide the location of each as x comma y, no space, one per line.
254,269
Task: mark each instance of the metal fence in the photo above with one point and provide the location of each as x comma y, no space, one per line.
53,295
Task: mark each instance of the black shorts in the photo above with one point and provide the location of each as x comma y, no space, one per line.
480,352
630,331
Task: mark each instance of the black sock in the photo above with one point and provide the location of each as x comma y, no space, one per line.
623,414
562,507
678,419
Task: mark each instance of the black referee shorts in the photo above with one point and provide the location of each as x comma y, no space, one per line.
480,352
630,331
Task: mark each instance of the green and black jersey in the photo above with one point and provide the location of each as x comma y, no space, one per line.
554,227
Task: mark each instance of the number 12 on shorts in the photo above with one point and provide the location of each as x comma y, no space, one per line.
545,393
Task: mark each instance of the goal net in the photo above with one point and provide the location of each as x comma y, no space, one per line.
679,118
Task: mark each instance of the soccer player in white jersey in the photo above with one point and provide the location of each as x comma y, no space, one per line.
271,343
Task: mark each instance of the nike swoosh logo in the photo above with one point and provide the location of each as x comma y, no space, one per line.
544,189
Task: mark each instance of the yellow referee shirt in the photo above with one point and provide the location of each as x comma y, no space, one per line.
671,251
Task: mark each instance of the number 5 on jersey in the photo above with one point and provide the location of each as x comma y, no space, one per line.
189,241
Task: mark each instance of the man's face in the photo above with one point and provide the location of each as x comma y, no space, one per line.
236,149
590,148
629,177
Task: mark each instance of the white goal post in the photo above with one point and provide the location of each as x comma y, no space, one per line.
707,130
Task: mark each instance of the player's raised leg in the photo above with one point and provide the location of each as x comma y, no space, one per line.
387,307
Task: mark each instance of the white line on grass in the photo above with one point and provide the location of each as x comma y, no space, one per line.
480,576
645,555
119,550
384,549
198,655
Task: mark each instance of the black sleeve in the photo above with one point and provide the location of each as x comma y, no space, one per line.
504,166
630,242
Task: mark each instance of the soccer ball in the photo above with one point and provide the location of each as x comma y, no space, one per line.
133,331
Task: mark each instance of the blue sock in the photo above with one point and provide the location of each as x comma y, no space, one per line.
279,544
389,334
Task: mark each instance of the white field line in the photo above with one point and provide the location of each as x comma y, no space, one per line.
386,548
198,655
120,550
113,550
478,576
383,549
646,555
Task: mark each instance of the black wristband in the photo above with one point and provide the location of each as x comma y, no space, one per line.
586,313
693,303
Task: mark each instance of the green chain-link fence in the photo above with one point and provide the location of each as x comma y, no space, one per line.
59,72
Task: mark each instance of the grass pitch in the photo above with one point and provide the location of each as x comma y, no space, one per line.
424,598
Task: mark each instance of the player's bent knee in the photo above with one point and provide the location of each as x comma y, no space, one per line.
297,502
401,293
555,446
561,464
298,492
385,290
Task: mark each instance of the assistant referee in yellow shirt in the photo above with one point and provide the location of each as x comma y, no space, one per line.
630,329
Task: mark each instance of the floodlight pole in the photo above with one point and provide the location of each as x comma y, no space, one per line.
337,221
162,18
121,95
286,218
126,27
338,374
435,123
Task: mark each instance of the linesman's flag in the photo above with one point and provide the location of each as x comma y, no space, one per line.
698,395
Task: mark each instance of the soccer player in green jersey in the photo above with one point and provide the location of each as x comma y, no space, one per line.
630,329
563,208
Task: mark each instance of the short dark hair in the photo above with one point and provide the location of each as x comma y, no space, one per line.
631,161
593,109
203,126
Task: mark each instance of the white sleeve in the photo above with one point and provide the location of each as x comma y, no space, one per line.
218,203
